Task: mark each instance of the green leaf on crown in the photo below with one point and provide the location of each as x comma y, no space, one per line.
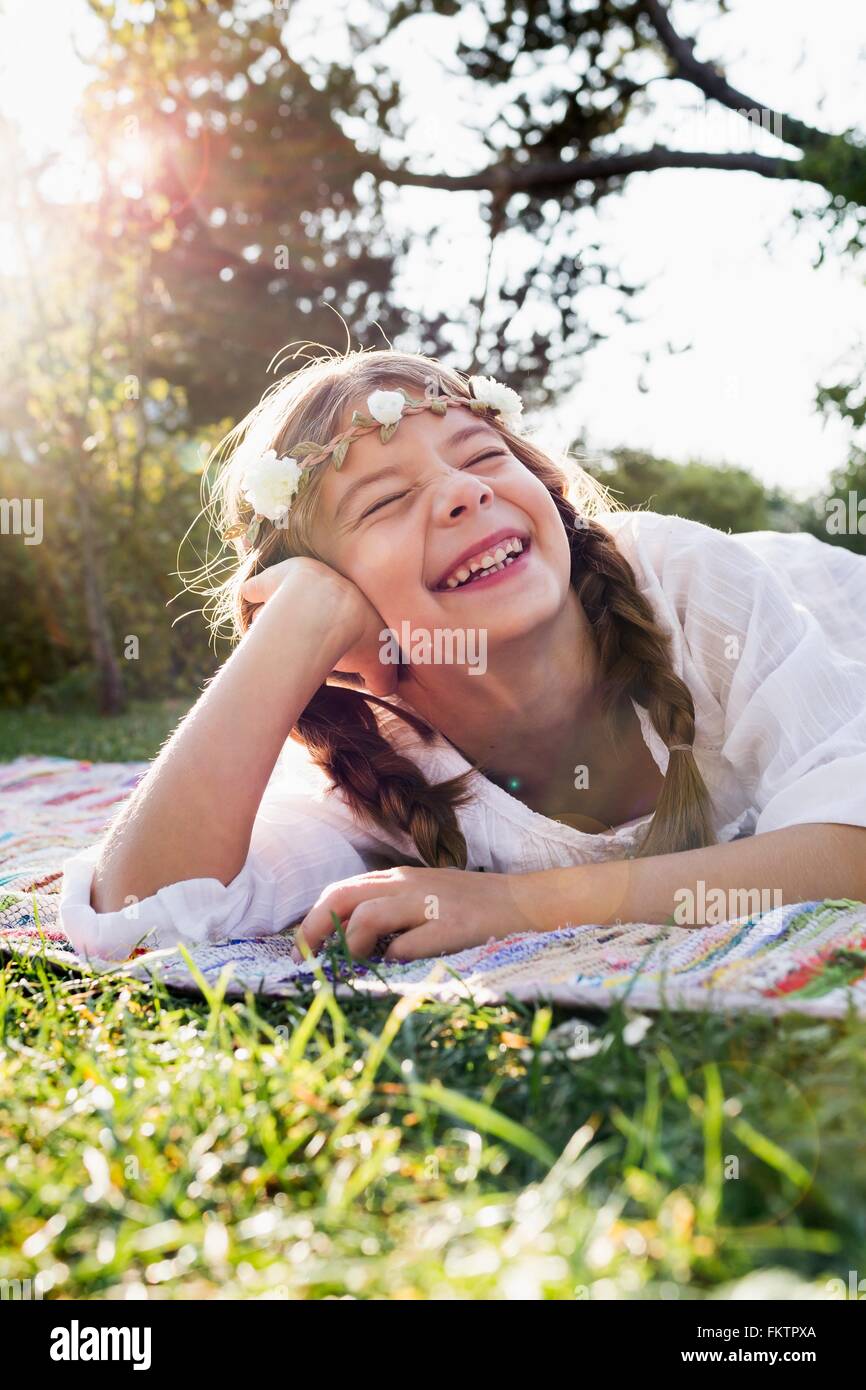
306,447
439,407
340,453
387,431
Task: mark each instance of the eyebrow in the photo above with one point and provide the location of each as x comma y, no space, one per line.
458,437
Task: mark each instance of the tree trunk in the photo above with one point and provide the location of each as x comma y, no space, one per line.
112,698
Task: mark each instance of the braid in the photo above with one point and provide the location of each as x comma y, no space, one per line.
635,655
379,783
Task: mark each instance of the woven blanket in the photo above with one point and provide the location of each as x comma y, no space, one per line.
807,958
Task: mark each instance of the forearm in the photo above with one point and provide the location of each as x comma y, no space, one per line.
193,814
798,864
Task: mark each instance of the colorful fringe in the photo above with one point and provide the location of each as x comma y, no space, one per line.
806,958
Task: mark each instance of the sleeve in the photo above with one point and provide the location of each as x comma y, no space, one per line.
793,703
298,846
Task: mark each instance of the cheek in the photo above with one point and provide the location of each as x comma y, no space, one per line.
560,550
550,532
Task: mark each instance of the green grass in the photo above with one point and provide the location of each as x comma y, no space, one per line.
135,735
313,1148
368,1149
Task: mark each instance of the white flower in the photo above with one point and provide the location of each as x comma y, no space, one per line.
270,484
386,406
636,1029
502,399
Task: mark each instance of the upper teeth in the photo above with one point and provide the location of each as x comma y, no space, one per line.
496,558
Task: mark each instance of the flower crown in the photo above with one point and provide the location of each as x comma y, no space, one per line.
272,484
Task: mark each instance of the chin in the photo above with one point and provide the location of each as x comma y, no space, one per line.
529,621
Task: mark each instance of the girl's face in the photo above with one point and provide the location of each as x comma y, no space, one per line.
444,527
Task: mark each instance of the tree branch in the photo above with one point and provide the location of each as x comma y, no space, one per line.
515,178
714,84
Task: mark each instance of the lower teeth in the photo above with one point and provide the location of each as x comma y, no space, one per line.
491,569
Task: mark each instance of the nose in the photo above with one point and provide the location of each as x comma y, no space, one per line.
460,495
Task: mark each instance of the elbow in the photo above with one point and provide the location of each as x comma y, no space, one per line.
116,884
106,891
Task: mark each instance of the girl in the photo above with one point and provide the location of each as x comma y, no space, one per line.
664,712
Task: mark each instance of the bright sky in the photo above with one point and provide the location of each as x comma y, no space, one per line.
763,325
41,76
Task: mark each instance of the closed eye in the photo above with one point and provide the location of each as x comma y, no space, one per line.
491,454
383,502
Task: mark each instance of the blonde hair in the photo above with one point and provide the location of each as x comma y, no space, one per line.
339,725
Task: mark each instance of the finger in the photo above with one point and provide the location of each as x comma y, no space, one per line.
378,917
257,588
381,679
339,900
428,940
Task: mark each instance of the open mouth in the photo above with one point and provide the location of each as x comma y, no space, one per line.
486,565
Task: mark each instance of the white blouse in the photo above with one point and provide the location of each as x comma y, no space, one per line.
768,632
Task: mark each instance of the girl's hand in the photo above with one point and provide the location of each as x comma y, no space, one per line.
436,911
312,582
